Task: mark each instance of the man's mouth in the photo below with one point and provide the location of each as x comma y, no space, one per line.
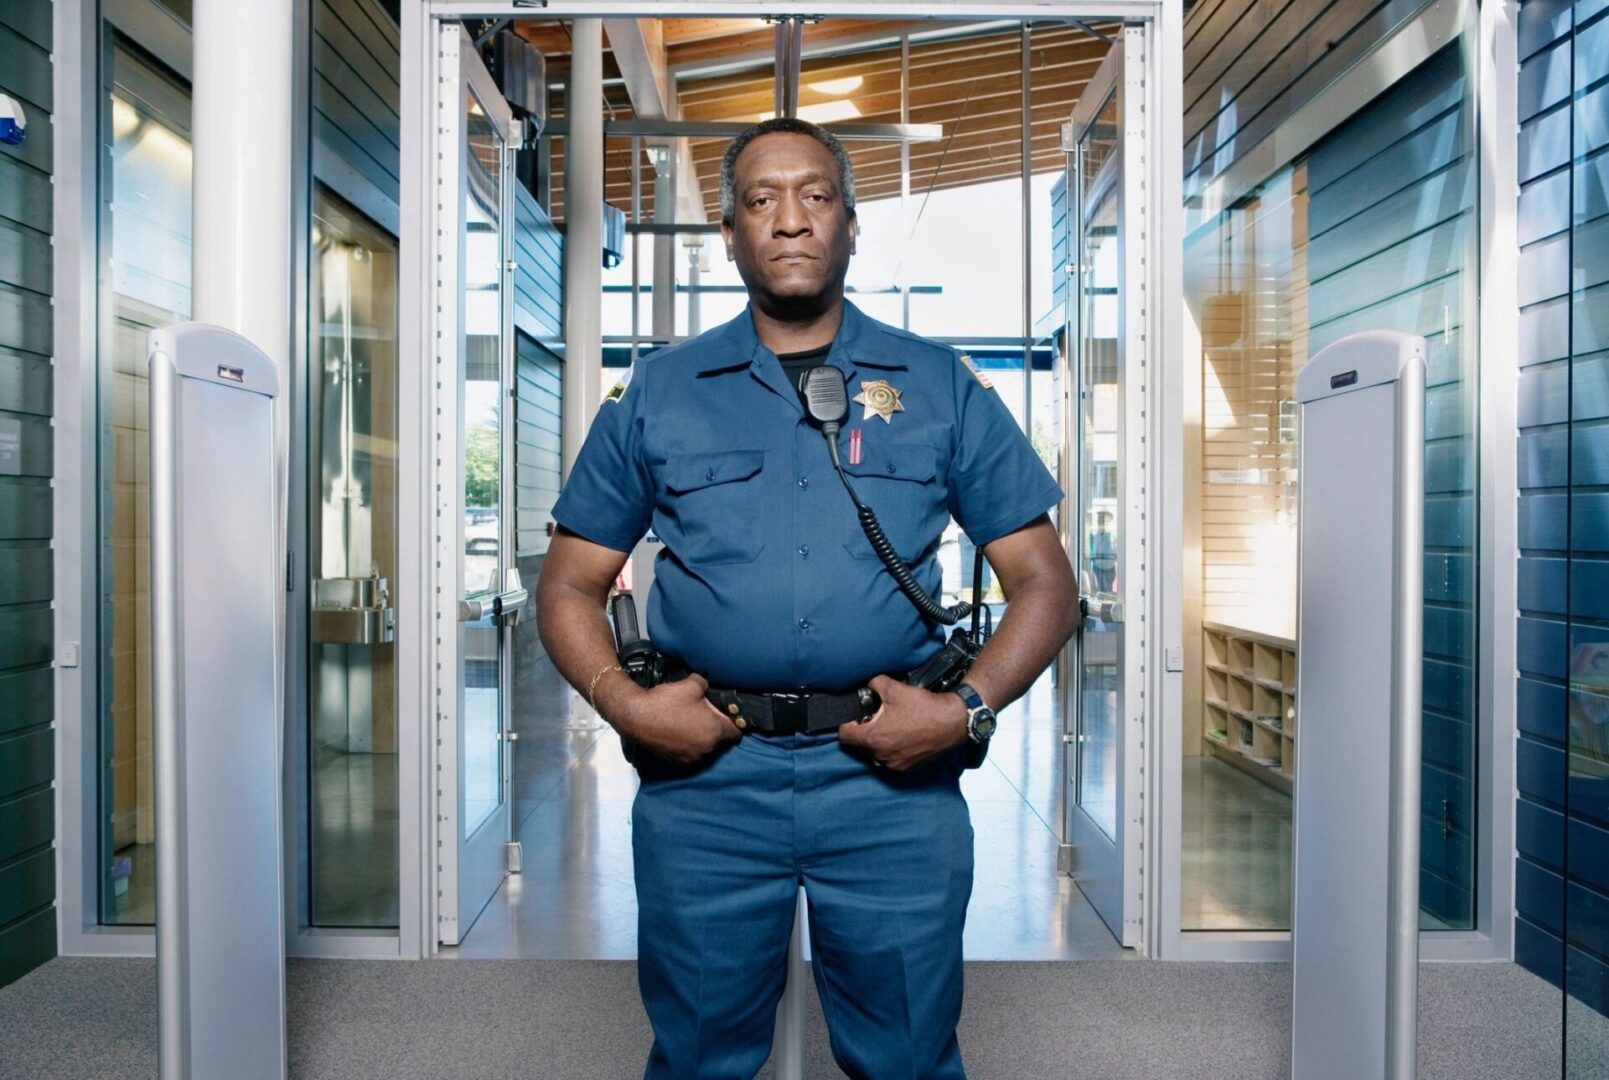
791,255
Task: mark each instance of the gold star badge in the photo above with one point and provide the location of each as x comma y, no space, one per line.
880,398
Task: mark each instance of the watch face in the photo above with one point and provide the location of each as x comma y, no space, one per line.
983,724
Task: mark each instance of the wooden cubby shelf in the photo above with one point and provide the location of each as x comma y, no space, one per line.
1249,707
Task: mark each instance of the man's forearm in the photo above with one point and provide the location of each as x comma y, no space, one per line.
1038,621
575,632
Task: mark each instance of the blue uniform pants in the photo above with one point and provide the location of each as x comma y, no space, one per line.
720,850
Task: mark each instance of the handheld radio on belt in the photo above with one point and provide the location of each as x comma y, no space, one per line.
827,401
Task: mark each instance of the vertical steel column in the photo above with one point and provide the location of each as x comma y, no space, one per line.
904,179
787,1052
789,53
1027,236
241,179
664,294
583,241
636,244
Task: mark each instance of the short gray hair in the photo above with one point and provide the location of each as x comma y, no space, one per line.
792,125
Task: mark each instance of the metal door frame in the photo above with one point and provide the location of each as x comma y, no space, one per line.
1157,23
460,72
1120,889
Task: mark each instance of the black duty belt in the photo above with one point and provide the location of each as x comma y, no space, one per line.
785,713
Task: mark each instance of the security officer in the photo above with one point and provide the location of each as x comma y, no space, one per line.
770,592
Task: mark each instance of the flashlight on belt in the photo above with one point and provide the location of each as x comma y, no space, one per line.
645,665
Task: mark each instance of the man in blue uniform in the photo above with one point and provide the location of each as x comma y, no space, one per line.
770,592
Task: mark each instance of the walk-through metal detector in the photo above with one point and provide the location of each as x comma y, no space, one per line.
1355,918
220,938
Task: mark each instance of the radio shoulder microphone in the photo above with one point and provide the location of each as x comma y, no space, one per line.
826,396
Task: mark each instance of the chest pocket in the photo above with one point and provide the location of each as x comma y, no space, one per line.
714,501
897,481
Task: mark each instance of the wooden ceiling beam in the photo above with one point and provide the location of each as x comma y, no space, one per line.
885,66
640,50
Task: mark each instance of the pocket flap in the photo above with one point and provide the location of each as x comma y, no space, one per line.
689,472
917,462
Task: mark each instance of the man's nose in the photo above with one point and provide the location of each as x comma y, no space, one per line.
791,219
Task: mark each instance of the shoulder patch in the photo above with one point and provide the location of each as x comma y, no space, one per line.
983,380
618,390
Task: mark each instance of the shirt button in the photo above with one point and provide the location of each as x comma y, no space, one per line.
804,624
804,481
804,549
891,468
709,474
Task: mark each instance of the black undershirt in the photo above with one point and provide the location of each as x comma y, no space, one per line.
795,364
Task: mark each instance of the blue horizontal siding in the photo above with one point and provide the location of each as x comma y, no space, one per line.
356,105
27,744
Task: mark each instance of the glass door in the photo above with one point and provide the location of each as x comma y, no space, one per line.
1103,708
473,487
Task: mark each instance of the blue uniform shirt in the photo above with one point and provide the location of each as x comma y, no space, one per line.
766,581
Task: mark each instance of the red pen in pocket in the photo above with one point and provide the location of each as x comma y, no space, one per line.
854,446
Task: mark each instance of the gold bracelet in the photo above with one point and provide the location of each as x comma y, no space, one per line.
592,687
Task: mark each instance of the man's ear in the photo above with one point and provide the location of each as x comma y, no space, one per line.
726,237
854,231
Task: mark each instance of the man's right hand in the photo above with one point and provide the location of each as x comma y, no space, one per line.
673,720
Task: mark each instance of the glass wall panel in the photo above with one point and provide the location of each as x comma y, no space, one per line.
1101,521
1375,228
145,242
1245,284
352,539
482,412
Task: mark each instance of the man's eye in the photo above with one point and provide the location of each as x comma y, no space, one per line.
760,201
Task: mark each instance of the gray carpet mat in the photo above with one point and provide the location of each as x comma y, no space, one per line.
90,1018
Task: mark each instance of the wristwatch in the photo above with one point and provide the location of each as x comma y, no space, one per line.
981,721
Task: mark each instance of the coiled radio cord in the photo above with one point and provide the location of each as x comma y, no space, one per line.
947,616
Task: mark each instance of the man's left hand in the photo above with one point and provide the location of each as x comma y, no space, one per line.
910,727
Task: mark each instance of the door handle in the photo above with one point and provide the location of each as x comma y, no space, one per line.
475,608
1108,611
509,605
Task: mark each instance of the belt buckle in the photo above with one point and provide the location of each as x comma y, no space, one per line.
790,713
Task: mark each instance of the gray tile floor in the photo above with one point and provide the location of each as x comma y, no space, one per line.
575,897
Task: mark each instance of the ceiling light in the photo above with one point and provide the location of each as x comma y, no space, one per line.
825,112
838,87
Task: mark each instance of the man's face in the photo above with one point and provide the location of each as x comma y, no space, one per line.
790,235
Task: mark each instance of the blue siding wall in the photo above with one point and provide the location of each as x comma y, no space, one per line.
356,99
539,270
27,746
539,389
1392,236
1562,873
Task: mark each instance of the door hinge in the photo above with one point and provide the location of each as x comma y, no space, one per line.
513,856
1066,858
